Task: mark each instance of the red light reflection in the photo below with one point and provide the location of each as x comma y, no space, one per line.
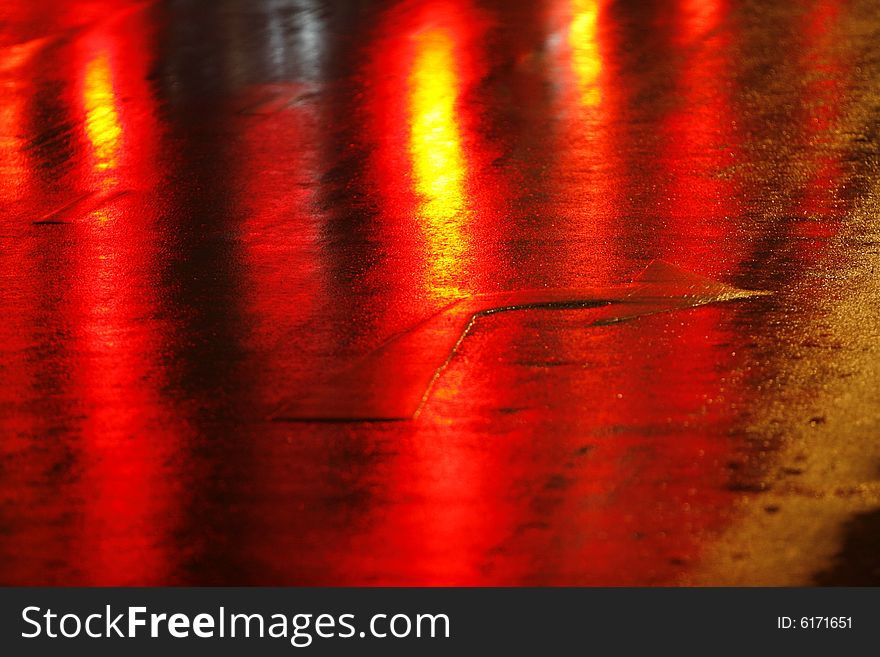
701,148
696,19
589,176
128,438
821,207
636,459
431,162
14,165
441,205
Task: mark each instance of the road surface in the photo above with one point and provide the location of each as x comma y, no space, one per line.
210,210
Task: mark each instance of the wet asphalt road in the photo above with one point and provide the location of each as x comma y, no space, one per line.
208,210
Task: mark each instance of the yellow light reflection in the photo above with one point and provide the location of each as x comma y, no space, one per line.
102,125
439,167
586,59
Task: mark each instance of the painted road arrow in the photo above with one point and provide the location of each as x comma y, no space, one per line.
394,381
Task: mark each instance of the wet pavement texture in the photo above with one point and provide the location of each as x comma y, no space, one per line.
211,210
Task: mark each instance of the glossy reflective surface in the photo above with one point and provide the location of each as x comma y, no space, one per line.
209,209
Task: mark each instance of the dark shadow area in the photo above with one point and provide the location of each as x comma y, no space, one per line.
858,563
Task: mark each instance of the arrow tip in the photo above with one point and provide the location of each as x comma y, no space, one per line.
662,273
